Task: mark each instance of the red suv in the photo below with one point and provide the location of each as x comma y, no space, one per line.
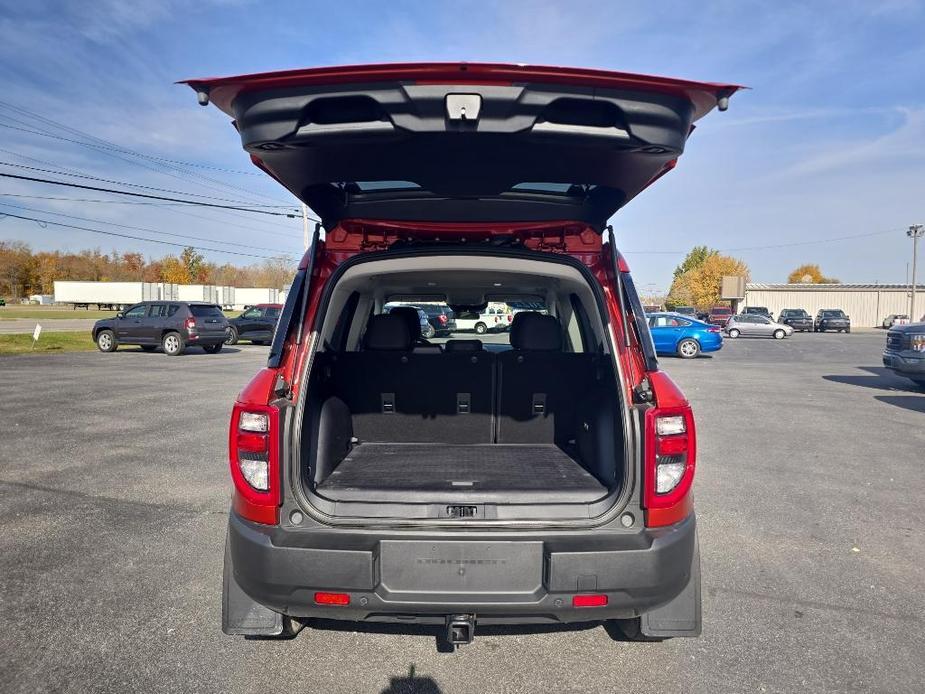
382,478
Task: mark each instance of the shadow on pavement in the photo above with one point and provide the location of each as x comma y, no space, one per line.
879,379
907,402
412,684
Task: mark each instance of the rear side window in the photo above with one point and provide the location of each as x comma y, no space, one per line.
158,311
206,311
172,309
272,313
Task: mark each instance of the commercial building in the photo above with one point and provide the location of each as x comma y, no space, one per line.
866,304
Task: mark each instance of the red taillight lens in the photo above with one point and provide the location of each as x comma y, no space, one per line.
190,323
254,460
510,317
589,601
669,461
713,329
332,598
442,318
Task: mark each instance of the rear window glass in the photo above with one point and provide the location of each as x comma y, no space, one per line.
833,314
491,324
173,309
206,311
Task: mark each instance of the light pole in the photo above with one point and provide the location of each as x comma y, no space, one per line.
915,232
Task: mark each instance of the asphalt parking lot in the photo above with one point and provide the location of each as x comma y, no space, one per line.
114,497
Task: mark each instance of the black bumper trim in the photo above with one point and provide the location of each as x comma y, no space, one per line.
636,573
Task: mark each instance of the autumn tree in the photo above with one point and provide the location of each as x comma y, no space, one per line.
174,271
693,260
810,274
701,285
195,265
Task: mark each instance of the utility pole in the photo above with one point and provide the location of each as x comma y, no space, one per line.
305,236
915,232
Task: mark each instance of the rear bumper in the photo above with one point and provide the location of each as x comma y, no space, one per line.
514,578
905,363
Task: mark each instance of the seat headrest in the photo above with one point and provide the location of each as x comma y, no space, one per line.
387,332
463,346
409,314
536,332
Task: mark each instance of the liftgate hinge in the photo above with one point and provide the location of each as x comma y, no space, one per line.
281,388
643,392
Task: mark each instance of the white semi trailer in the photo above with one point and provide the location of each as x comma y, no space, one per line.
112,295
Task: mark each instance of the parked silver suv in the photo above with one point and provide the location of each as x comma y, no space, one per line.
757,326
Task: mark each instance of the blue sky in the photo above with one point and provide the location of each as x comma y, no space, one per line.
828,143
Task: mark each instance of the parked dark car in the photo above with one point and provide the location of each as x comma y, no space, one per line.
441,318
719,315
548,482
757,311
256,323
832,319
796,318
171,325
905,351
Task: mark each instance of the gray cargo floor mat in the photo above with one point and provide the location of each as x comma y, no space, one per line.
481,473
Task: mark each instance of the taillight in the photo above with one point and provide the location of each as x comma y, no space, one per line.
714,329
510,317
254,458
442,318
671,453
190,323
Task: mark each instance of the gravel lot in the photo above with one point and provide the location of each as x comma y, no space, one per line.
114,497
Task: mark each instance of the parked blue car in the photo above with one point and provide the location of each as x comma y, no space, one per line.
684,336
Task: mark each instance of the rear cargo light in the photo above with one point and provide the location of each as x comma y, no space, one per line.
190,323
669,464
589,601
254,460
322,598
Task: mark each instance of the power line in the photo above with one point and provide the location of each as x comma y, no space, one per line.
108,148
137,228
46,222
197,165
88,177
169,206
144,195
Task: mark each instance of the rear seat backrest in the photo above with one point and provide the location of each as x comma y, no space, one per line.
398,395
540,387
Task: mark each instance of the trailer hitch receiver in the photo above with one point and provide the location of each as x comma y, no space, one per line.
460,629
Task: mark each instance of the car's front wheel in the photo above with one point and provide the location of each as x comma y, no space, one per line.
106,341
734,333
231,335
779,334
172,344
688,349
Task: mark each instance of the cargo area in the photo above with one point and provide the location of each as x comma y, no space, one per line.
527,419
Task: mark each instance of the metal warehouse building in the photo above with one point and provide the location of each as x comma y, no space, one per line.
866,304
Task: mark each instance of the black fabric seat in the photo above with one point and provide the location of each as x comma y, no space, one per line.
395,394
540,387
413,320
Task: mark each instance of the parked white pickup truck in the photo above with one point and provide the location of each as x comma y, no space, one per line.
482,323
